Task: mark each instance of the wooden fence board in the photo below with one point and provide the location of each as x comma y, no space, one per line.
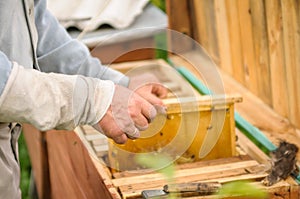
247,45
261,51
223,36
291,35
238,70
258,43
276,56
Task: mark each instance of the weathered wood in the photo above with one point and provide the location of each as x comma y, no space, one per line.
224,45
72,171
37,148
251,149
180,24
247,45
261,51
291,37
263,41
98,161
223,173
254,110
219,161
186,172
205,19
238,69
276,56
139,49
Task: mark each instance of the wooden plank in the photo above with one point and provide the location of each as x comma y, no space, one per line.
187,165
274,126
251,149
138,49
135,191
291,37
206,29
155,183
72,171
222,30
37,148
201,34
247,45
180,23
261,51
276,55
186,172
202,103
294,188
235,41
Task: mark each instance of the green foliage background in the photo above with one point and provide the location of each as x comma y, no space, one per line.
25,167
160,3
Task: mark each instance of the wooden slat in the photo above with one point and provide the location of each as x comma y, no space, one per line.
222,33
179,23
154,183
72,170
217,171
247,45
291,37
204,103
261,51
37,148
264,44
138,49
187,165
235,41
199,17
276,56
185,173
204,17
251,149
251,177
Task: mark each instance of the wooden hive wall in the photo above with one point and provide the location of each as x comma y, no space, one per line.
255,41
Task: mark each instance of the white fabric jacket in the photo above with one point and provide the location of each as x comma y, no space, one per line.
31,38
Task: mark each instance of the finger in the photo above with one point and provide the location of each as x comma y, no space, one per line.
153,99
161,109
134,135
138,120
120,139
159,90
149,112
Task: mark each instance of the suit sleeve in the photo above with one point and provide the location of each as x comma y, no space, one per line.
58,52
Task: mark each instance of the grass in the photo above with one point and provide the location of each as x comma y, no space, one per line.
25,167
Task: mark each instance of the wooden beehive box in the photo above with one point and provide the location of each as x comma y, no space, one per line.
240,160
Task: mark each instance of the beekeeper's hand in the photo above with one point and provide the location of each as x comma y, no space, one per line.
127,115
149,87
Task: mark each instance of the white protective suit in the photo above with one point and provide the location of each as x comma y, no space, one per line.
34,48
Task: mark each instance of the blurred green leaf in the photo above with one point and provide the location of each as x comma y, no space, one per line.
160,163
242,188
160,3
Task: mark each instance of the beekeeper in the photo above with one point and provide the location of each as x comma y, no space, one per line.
49,80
